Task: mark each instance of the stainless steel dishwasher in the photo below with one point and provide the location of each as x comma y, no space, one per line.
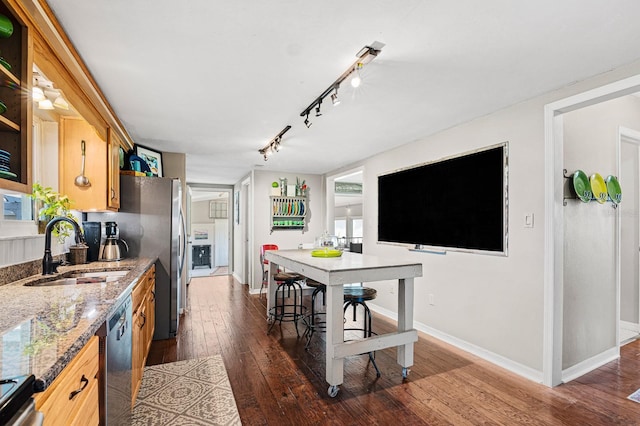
116,358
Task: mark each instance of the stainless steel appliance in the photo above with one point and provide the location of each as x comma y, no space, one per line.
16,404
151,220
115,334
112,247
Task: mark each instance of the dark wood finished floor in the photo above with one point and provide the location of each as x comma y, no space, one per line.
276,382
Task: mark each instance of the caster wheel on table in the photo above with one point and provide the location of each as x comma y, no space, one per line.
333,391
405,372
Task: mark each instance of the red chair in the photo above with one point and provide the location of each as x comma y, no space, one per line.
265,264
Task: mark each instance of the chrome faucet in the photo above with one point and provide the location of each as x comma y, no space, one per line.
48,265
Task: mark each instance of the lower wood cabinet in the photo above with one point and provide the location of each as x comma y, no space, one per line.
73,397
143,321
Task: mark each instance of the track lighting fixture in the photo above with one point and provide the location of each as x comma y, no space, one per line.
273,145
38,94
356,80
365,55
45,104
334,98
45,95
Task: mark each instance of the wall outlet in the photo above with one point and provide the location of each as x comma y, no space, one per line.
431,298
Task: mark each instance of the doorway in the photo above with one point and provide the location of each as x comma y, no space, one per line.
346,214
210,230
629,148
554,373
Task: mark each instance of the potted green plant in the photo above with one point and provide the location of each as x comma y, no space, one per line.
51,204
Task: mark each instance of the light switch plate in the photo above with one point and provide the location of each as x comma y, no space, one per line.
528,220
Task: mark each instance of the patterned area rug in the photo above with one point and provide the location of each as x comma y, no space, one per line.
191,392
635,396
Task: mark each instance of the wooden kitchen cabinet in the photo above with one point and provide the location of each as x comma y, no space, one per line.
143,320
73,397
15,122
101,166
113,167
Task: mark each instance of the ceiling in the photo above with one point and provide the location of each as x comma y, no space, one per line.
218,80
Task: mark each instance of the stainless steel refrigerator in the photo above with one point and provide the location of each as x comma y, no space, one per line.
151,222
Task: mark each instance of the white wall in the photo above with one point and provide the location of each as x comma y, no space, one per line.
489,304
348,211
590,315
493,302
285,239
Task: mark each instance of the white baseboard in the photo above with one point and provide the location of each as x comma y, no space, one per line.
626,325
590,364
499,360
236,277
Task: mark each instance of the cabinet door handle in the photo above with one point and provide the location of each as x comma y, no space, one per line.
144,319
84,382
153,293
113,194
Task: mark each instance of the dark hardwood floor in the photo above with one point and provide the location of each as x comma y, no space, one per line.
277,382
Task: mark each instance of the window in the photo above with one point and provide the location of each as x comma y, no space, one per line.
357,228
218,209
341,228
16,206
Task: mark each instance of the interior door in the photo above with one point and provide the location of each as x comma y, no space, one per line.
245,236
221,242
629,239
188,261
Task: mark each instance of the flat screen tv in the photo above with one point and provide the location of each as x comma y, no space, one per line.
457,203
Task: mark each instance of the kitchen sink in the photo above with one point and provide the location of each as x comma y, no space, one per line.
99,274
76,277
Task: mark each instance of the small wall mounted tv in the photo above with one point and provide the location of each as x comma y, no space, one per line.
458,203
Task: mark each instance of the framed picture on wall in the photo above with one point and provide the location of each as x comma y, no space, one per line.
201,234
152,157
236,210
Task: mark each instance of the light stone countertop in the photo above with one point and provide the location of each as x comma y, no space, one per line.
44,327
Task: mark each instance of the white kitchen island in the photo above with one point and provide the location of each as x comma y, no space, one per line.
349,268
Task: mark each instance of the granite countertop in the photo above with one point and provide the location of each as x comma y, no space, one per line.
44,327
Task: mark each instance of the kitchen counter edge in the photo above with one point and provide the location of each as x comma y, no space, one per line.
120,290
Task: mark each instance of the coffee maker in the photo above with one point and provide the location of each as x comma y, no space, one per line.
111,249
93,237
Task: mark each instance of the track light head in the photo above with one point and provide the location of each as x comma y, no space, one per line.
264,152
318,113
307,122
356,80
334,98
